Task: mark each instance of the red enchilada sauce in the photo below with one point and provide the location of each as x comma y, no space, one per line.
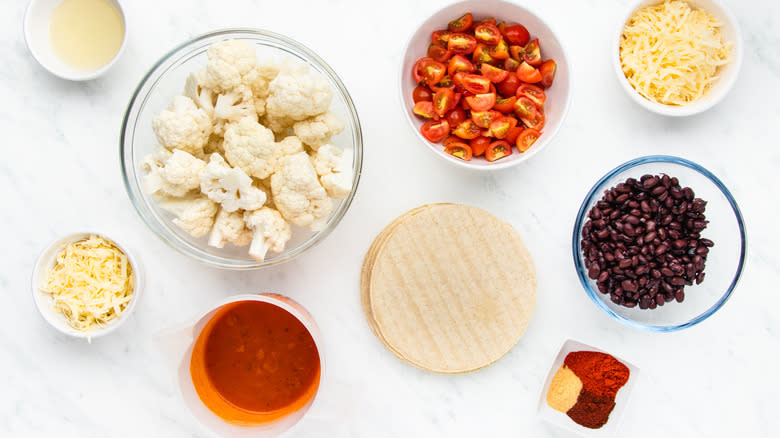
255,362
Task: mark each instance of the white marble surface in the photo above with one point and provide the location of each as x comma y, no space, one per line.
60,172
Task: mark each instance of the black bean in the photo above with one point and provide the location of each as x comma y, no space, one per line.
642,242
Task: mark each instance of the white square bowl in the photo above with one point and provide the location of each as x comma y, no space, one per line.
561,419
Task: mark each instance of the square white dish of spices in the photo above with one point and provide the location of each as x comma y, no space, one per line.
587,393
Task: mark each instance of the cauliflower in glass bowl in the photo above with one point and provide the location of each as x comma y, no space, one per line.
241,149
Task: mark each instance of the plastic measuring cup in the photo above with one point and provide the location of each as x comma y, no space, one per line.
177,344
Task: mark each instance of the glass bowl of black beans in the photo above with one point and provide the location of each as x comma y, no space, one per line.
659,243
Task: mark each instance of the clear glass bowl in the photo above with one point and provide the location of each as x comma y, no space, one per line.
154,93
724,261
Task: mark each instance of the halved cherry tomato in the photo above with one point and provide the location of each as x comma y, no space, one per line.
500,50
428,71
461,43
421,93
460,63
443,101
497,150
482,55
532,53
490,20
487,33
459,150
505,106
483,119
481,102
511,64
424,109
451,139
475,84
516,34
526,139
534,121
532,92
508,87
525,107
500,127
516,53
547,69
461,24
435,130
440,38
511,136
479,145
467,130
439,53
445,82
457,79
456,116
527,73
495,74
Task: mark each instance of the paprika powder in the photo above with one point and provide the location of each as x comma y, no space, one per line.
601,374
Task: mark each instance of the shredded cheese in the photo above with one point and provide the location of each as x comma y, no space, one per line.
670,53
91,283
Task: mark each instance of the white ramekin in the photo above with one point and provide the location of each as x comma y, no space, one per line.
37,20
730,32
45,303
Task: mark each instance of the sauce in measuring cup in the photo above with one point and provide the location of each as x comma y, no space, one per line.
254,362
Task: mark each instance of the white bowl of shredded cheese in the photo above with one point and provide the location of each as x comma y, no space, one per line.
86,285
677,57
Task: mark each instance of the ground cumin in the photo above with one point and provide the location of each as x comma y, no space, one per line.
564,390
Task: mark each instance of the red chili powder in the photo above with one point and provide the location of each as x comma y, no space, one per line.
600,373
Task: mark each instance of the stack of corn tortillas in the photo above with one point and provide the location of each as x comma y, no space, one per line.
448,288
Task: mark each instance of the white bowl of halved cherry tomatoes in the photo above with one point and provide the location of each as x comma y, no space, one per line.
485,84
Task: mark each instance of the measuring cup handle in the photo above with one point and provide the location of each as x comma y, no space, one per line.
173,342
335,403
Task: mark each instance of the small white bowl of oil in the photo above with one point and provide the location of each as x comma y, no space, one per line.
76,40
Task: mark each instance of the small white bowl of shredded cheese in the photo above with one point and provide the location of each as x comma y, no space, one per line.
86,285
677,57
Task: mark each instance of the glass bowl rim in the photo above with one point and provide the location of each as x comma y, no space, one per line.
222,262
599,187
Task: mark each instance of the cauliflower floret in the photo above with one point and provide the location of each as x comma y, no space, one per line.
194,214
229,227
183,126
231,187
271,231
232,107
204,97
250,146
175,176
229,61
257,80
290,145
238,54
297,192
297,95
318,130
334,166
